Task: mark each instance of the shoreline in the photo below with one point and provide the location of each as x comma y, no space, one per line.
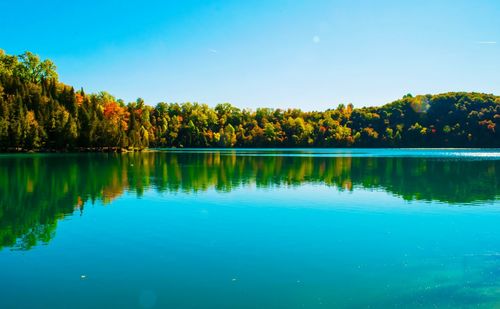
180,149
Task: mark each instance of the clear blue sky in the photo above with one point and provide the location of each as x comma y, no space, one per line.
309,54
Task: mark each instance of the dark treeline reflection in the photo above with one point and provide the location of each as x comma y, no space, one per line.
38,190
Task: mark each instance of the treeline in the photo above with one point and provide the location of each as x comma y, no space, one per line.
37,191
37,112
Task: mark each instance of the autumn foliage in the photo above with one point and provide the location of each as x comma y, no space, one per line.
37,112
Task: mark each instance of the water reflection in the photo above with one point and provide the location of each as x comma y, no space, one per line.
38,190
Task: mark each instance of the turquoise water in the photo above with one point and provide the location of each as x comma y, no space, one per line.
253,228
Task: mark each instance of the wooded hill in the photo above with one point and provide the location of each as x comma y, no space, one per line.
37,112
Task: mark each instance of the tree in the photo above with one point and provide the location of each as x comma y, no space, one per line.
39,112
30,68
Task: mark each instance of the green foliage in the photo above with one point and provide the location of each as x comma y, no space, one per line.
37,112
31,68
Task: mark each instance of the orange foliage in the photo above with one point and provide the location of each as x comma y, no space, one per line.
110,109
79,99
116,114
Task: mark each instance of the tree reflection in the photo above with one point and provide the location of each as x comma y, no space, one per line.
38,190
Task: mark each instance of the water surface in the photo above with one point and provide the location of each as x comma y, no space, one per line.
253,228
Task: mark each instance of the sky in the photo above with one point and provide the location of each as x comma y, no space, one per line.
309,54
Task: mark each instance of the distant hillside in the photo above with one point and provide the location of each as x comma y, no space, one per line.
37,112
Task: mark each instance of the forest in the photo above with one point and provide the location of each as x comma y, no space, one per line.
40,113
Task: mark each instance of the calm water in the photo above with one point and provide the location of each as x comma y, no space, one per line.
251,229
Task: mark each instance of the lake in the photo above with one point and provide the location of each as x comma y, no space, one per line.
251,228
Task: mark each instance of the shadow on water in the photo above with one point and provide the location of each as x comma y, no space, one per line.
38,190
